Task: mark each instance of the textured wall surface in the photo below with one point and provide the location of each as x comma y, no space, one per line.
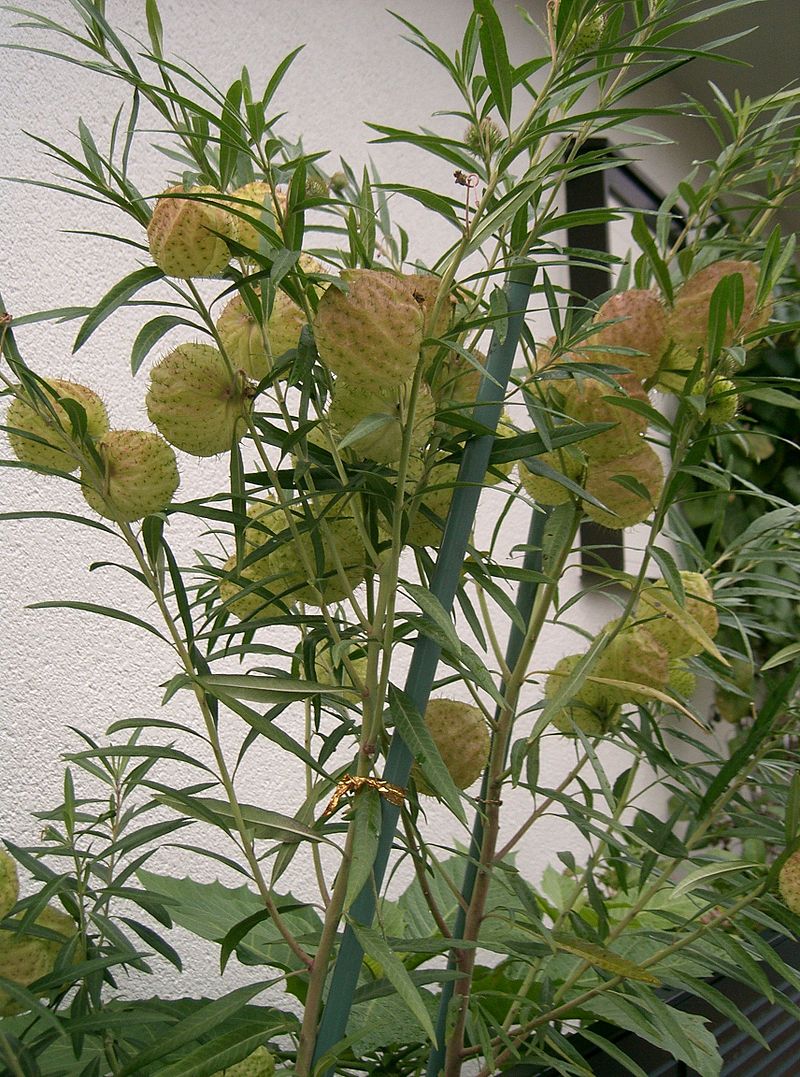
66,668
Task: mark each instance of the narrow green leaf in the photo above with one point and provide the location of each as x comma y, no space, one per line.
376,947
103,611
116,297
495,57
28,1001
666,562
40,514
150,334
432,607
190,1028
219,1056
154,27
262,823
785,654
232,939
641,234
277,76
710,871
261,689
153,939
271,730
761,728
370,424
411,727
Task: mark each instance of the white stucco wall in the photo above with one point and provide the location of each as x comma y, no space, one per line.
63,668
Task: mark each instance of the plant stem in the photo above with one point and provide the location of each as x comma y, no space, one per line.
154,585
492,802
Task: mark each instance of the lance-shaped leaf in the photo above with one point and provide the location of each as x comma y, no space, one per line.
376,947
116,297
411,727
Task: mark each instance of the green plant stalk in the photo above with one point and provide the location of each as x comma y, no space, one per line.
497,762
537,813
426,653
580,883
380,633
211,730
526,594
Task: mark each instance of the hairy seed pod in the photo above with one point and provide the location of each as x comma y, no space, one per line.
188,236
259,1064
304,562
789,882
372,335
255,206
656,609
140,476
590,708
27,958
635,656
688,321
352,404
9,883
54,429
722,401
629,488
461,734
567,461
253,344
195,402
591,401
255,604
641,324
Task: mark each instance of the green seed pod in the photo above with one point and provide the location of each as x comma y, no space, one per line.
140,476
461,734
637,657
483,139
642,325
313,546
258,205
352,403
628,504
568,461
56,431
195,401
259,1064
789,882
187,237
372,335
27,958
591,708
9,883
655,611
722,402
591,401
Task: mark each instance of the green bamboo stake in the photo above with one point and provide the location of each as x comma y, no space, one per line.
425,658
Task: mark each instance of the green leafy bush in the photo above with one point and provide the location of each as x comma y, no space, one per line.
366,402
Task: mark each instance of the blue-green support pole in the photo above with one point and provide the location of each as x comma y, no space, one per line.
526,596
425,658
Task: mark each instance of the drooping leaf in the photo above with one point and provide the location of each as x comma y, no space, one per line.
411,727
116,297
375,946
495,56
